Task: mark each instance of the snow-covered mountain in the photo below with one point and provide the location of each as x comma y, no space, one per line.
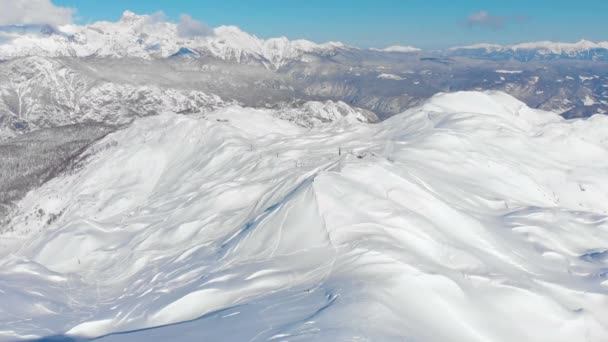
315,113
142,64
470,218
145,36
548,46
151,36
398,48
38,92
582,49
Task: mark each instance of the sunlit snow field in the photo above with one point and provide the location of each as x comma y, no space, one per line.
469,218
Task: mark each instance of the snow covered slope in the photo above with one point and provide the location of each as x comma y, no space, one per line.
469,218
148,36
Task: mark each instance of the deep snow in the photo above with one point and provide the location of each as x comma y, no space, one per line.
469,218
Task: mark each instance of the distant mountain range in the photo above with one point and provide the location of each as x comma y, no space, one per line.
144,36
141,36
140,66
584,50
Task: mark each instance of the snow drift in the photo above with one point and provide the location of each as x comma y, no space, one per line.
469,218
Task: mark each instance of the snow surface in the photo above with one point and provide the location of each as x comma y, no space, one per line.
588,101
391,77
469,218
509,71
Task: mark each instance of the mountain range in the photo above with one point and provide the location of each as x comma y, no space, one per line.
151,36
143,36
544,50
142,64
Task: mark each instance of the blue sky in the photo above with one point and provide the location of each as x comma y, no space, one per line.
367,23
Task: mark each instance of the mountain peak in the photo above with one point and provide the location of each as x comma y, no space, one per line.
145,36
230,29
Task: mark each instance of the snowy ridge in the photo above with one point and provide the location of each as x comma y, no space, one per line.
315,113
559,48
483,46
148,37
543,50
471,218
144,36
544,46
39,92
398,48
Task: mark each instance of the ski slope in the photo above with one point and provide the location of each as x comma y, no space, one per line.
469,218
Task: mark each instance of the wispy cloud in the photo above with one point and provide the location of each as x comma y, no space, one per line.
485,19
189,27
495,22
34,12
156,17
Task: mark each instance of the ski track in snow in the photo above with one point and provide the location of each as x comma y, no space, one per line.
469,218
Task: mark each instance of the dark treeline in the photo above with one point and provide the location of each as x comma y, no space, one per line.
30,160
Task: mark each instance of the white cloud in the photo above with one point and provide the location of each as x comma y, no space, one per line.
485,19
34,12
189,27
149,20
156,18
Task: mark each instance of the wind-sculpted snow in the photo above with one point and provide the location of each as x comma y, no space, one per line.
469,218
